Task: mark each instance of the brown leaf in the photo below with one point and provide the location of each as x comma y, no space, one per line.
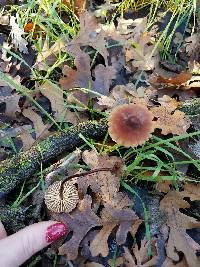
80,222
140,255
11,101
47,56
82,76
120,95
27,139
115,213
89,36
104,182
178,223
142,52
168,119
179,79
111,217
169,263
41,129
93,264
77,5
55,96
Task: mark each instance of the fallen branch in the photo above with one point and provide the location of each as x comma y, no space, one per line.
22,166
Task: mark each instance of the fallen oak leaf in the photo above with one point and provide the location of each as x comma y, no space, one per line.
112,217
170,120
81,221
89,36
178,223
82,77
140,255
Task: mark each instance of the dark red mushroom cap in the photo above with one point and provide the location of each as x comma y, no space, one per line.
130,124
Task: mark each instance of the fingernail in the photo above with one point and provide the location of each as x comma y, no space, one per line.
55,231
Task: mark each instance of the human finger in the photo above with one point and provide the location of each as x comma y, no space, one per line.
3,233
17,248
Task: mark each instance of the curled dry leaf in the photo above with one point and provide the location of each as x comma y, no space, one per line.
169,263
168,119
140,47
179,240
47,57
140,255
93,264
143,54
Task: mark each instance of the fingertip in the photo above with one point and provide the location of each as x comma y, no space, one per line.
30,240
3,233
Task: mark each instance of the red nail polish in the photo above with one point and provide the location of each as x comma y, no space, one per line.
55,231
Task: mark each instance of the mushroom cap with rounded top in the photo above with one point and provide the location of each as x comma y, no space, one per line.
130,125
69,198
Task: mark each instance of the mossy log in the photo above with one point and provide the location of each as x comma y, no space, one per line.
191,107
23,165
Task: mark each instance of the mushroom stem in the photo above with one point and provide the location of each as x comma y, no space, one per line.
80,175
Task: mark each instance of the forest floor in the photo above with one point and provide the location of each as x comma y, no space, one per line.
99,128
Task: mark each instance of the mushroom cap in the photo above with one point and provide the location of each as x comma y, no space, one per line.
54,201
130,125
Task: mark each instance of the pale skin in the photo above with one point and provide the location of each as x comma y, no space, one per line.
17,248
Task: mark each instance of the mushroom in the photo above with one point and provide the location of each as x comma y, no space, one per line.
64,201
130,125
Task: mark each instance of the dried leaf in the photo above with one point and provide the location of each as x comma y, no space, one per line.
120,95
41,129
89,36
169,263
179,79
140,255
93,264
80,221
142,53
168,119
178,223
27,139
55,96
111,217
82,76
77,5
104,182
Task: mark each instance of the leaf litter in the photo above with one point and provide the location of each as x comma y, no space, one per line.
105,213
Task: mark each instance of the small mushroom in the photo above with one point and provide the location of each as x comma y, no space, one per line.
130,125
61,202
